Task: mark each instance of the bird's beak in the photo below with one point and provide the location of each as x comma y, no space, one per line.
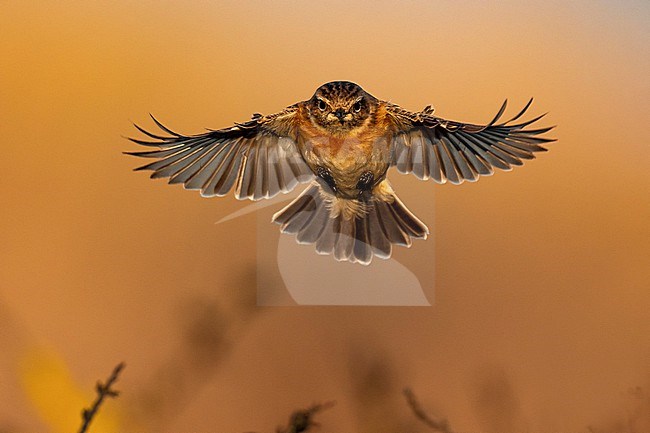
340,114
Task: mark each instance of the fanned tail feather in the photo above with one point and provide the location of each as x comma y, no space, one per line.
350,230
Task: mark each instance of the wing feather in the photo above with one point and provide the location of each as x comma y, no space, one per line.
444,150
217,178
479,166
192,170
227,174
435,168
258,159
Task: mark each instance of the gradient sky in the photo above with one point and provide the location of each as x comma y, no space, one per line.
539,277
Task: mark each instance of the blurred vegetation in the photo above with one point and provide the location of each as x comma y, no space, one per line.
209,329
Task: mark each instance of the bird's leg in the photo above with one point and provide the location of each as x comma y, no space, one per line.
326,175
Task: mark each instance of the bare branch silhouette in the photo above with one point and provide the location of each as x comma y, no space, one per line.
209,329
103,391
302,420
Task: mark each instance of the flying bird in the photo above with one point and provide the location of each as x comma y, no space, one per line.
341,141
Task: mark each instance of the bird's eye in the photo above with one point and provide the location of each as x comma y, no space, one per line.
321,105
356,107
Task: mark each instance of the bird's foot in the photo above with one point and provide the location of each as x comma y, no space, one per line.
365,183
326,175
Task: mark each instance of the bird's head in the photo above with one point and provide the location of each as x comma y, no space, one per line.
341,106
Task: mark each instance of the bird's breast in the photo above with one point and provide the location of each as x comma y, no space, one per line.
347,157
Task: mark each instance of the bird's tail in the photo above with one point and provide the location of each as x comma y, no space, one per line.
351,230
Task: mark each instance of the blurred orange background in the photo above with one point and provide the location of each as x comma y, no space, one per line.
540,316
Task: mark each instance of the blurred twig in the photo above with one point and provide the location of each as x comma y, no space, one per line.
209,329
103,391
441,426
302,420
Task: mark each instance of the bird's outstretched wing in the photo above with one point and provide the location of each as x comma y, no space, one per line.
258,157
444,150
